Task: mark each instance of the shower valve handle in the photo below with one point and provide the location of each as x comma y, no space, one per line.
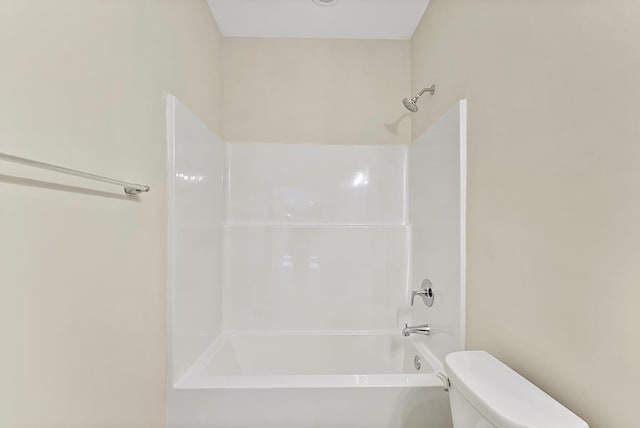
426,293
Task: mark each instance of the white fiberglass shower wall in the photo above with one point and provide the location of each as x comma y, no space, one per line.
437,215
316,238
291,271
196,211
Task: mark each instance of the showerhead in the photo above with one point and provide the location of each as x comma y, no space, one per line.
412,104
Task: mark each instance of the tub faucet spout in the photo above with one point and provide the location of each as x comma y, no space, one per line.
416,329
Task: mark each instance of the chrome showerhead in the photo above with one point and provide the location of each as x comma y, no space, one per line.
412,104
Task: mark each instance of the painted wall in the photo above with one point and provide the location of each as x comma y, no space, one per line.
554,171
82,269
316,91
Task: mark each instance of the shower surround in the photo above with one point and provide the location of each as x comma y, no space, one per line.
291,268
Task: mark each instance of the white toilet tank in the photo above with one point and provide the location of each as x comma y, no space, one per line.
485,393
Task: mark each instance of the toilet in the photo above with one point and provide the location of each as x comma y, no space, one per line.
485,393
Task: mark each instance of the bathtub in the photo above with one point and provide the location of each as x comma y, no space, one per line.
320,380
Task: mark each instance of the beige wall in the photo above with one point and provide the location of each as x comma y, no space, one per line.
554,173
316,91
553,158
82,274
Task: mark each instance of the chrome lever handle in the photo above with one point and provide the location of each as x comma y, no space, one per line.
422,293
426,293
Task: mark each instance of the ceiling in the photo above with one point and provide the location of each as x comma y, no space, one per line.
346,19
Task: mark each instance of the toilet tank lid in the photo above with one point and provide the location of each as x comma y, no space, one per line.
504,397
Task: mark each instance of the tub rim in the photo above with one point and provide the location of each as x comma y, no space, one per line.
196,379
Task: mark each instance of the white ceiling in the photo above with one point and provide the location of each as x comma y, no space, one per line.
347,19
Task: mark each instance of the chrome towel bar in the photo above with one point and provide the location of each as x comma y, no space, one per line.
129,188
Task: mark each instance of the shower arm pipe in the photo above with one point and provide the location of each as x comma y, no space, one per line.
130,189
431,89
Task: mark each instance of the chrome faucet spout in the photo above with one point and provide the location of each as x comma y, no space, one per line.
424,329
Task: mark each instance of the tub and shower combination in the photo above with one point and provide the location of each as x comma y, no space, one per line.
291,271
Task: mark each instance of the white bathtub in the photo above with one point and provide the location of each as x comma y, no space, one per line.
313,380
